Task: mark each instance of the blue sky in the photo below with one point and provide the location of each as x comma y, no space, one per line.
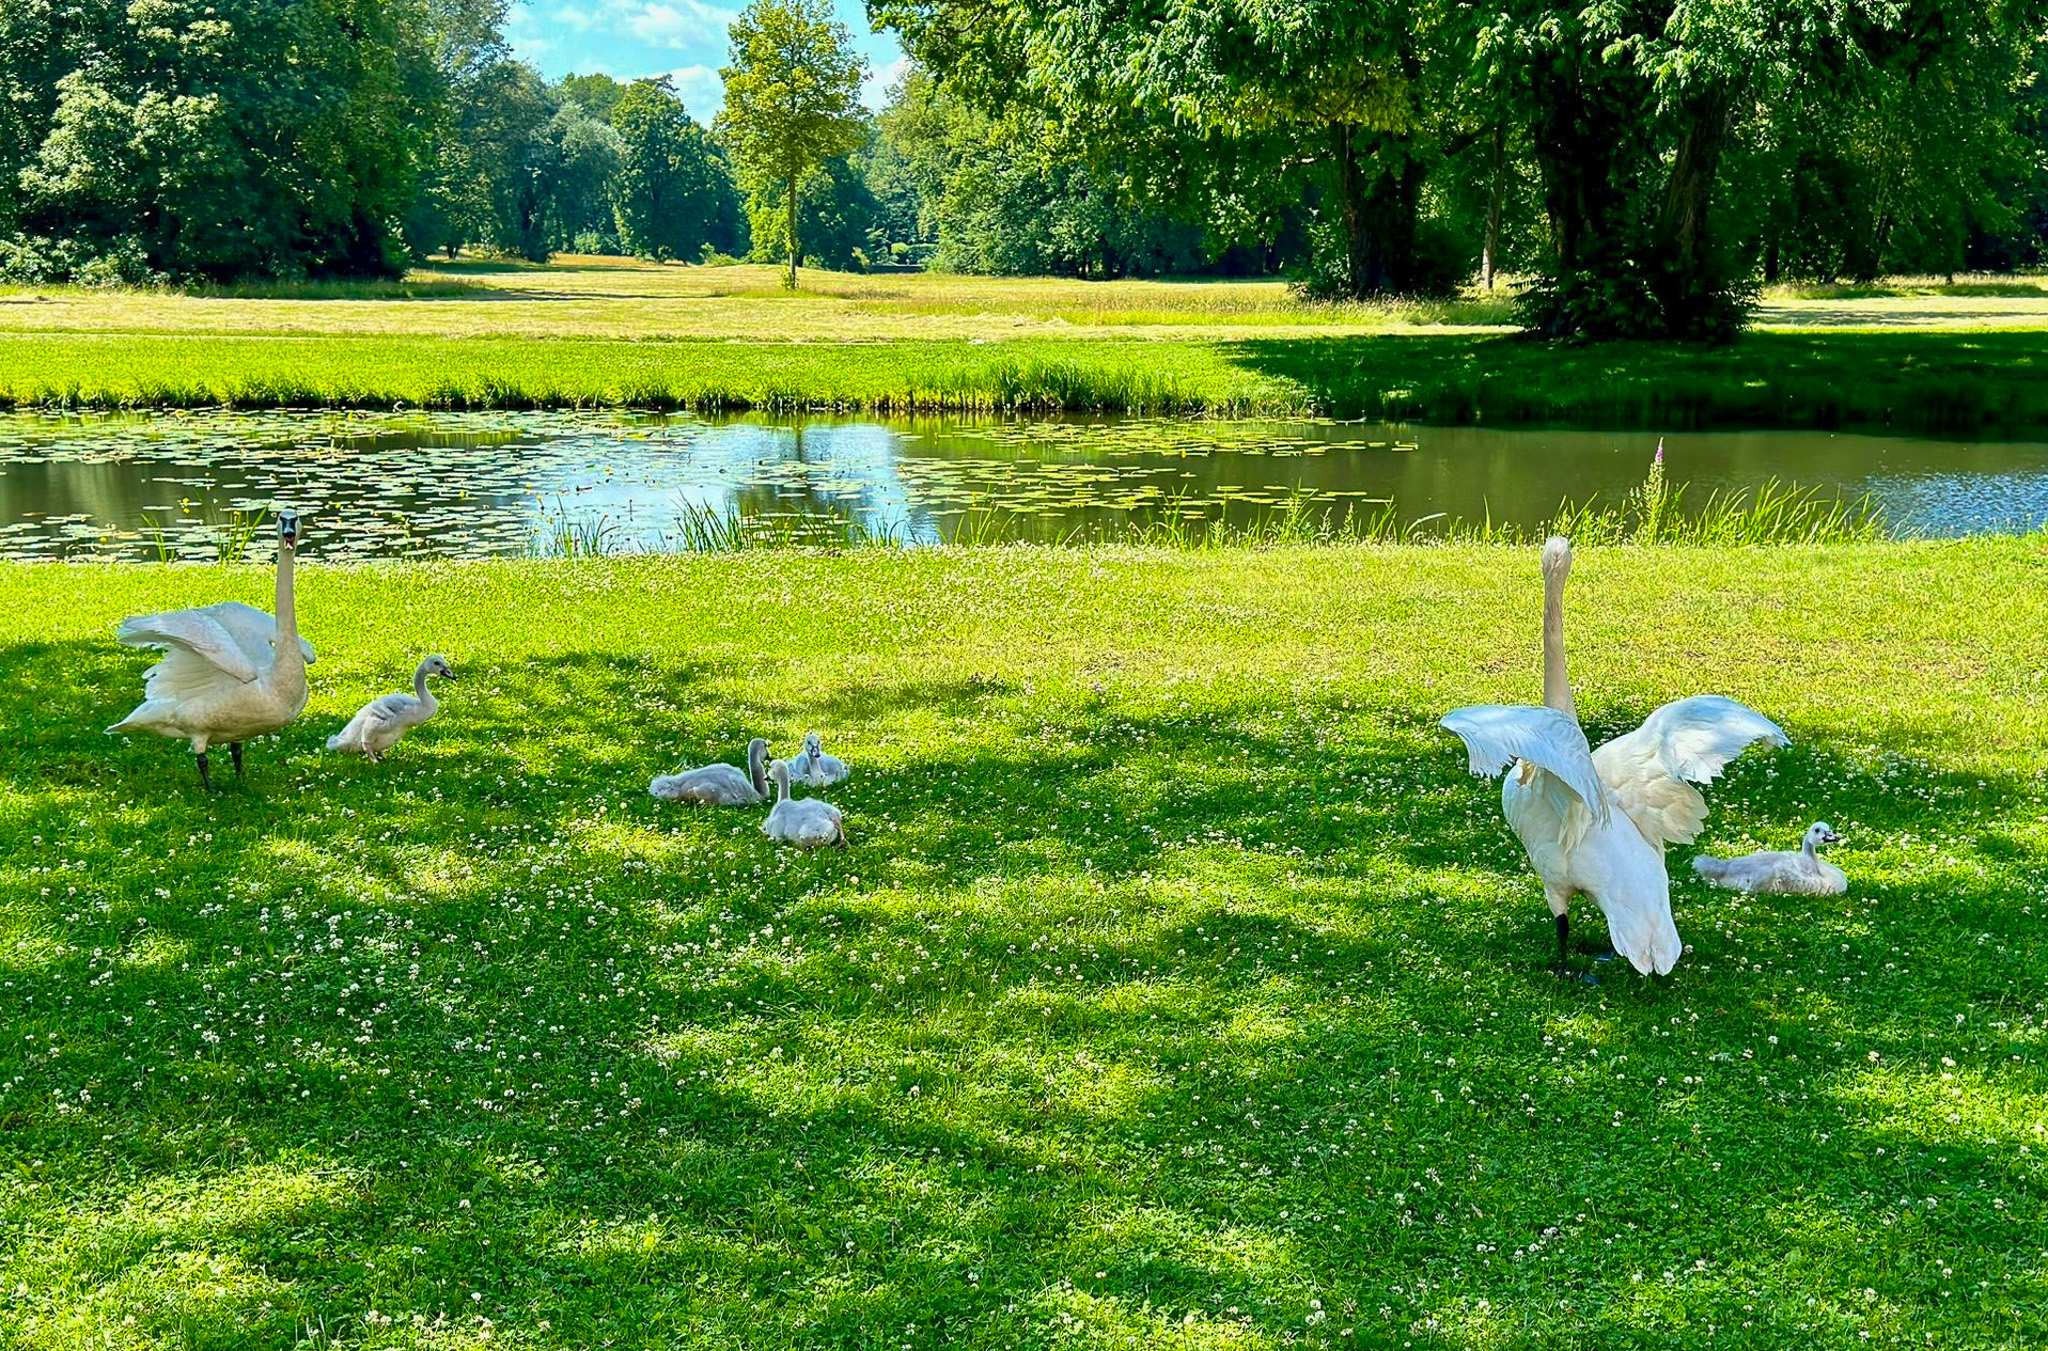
684,39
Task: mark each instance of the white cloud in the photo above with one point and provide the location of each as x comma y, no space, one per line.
874,90
701,90
687,39
686,23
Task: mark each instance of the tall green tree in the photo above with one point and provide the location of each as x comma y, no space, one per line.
791,101
596,95
837,216
1355,98
214,140
587,152
673,193
218,139
1002,193
1634,108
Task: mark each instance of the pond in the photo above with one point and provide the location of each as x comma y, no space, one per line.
169,485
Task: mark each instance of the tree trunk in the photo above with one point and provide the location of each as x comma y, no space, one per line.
1586,137
1689,291
1381,209
1689,192
1489,260
1393,218
1349,191
792,232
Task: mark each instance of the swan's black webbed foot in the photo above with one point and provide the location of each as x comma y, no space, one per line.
1563,969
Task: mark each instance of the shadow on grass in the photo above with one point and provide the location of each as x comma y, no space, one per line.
1980,382
1118,1023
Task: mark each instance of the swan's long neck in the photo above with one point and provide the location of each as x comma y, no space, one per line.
782,783
756,775
286,656
1557,685
419,688
1811,847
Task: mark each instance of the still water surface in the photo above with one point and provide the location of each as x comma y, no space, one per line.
403,485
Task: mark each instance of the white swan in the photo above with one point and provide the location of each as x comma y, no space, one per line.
814,767
382,723
720,785
230,671
1800,872
1596,822
807,822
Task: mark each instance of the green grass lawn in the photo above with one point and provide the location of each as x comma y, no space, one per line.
1180,988
1961,383
1965,359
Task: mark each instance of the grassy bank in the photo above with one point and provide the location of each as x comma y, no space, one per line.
1980,383
616,333
1180,988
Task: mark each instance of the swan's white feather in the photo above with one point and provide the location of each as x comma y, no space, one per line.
219,680
206,650
1498,735
1651,771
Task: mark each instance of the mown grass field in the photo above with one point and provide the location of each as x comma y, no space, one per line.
1180,988
588,297
1927,357
596,297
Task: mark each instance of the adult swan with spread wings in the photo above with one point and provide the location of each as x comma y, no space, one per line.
230,671
1595,823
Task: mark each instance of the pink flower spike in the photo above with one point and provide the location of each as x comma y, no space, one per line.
1660,450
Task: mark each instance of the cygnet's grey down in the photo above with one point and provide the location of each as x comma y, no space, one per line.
1800,872
807,823
718,785
382,723
812,766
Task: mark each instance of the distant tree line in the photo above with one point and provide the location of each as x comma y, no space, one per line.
1646,164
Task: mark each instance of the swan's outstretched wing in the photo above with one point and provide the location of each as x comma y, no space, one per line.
1557,779
1651,771
199,651
253,629
1497,735
234,639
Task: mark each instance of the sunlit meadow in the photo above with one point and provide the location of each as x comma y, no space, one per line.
1179,989
1908,354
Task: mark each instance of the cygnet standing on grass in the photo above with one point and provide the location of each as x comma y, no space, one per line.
382,723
